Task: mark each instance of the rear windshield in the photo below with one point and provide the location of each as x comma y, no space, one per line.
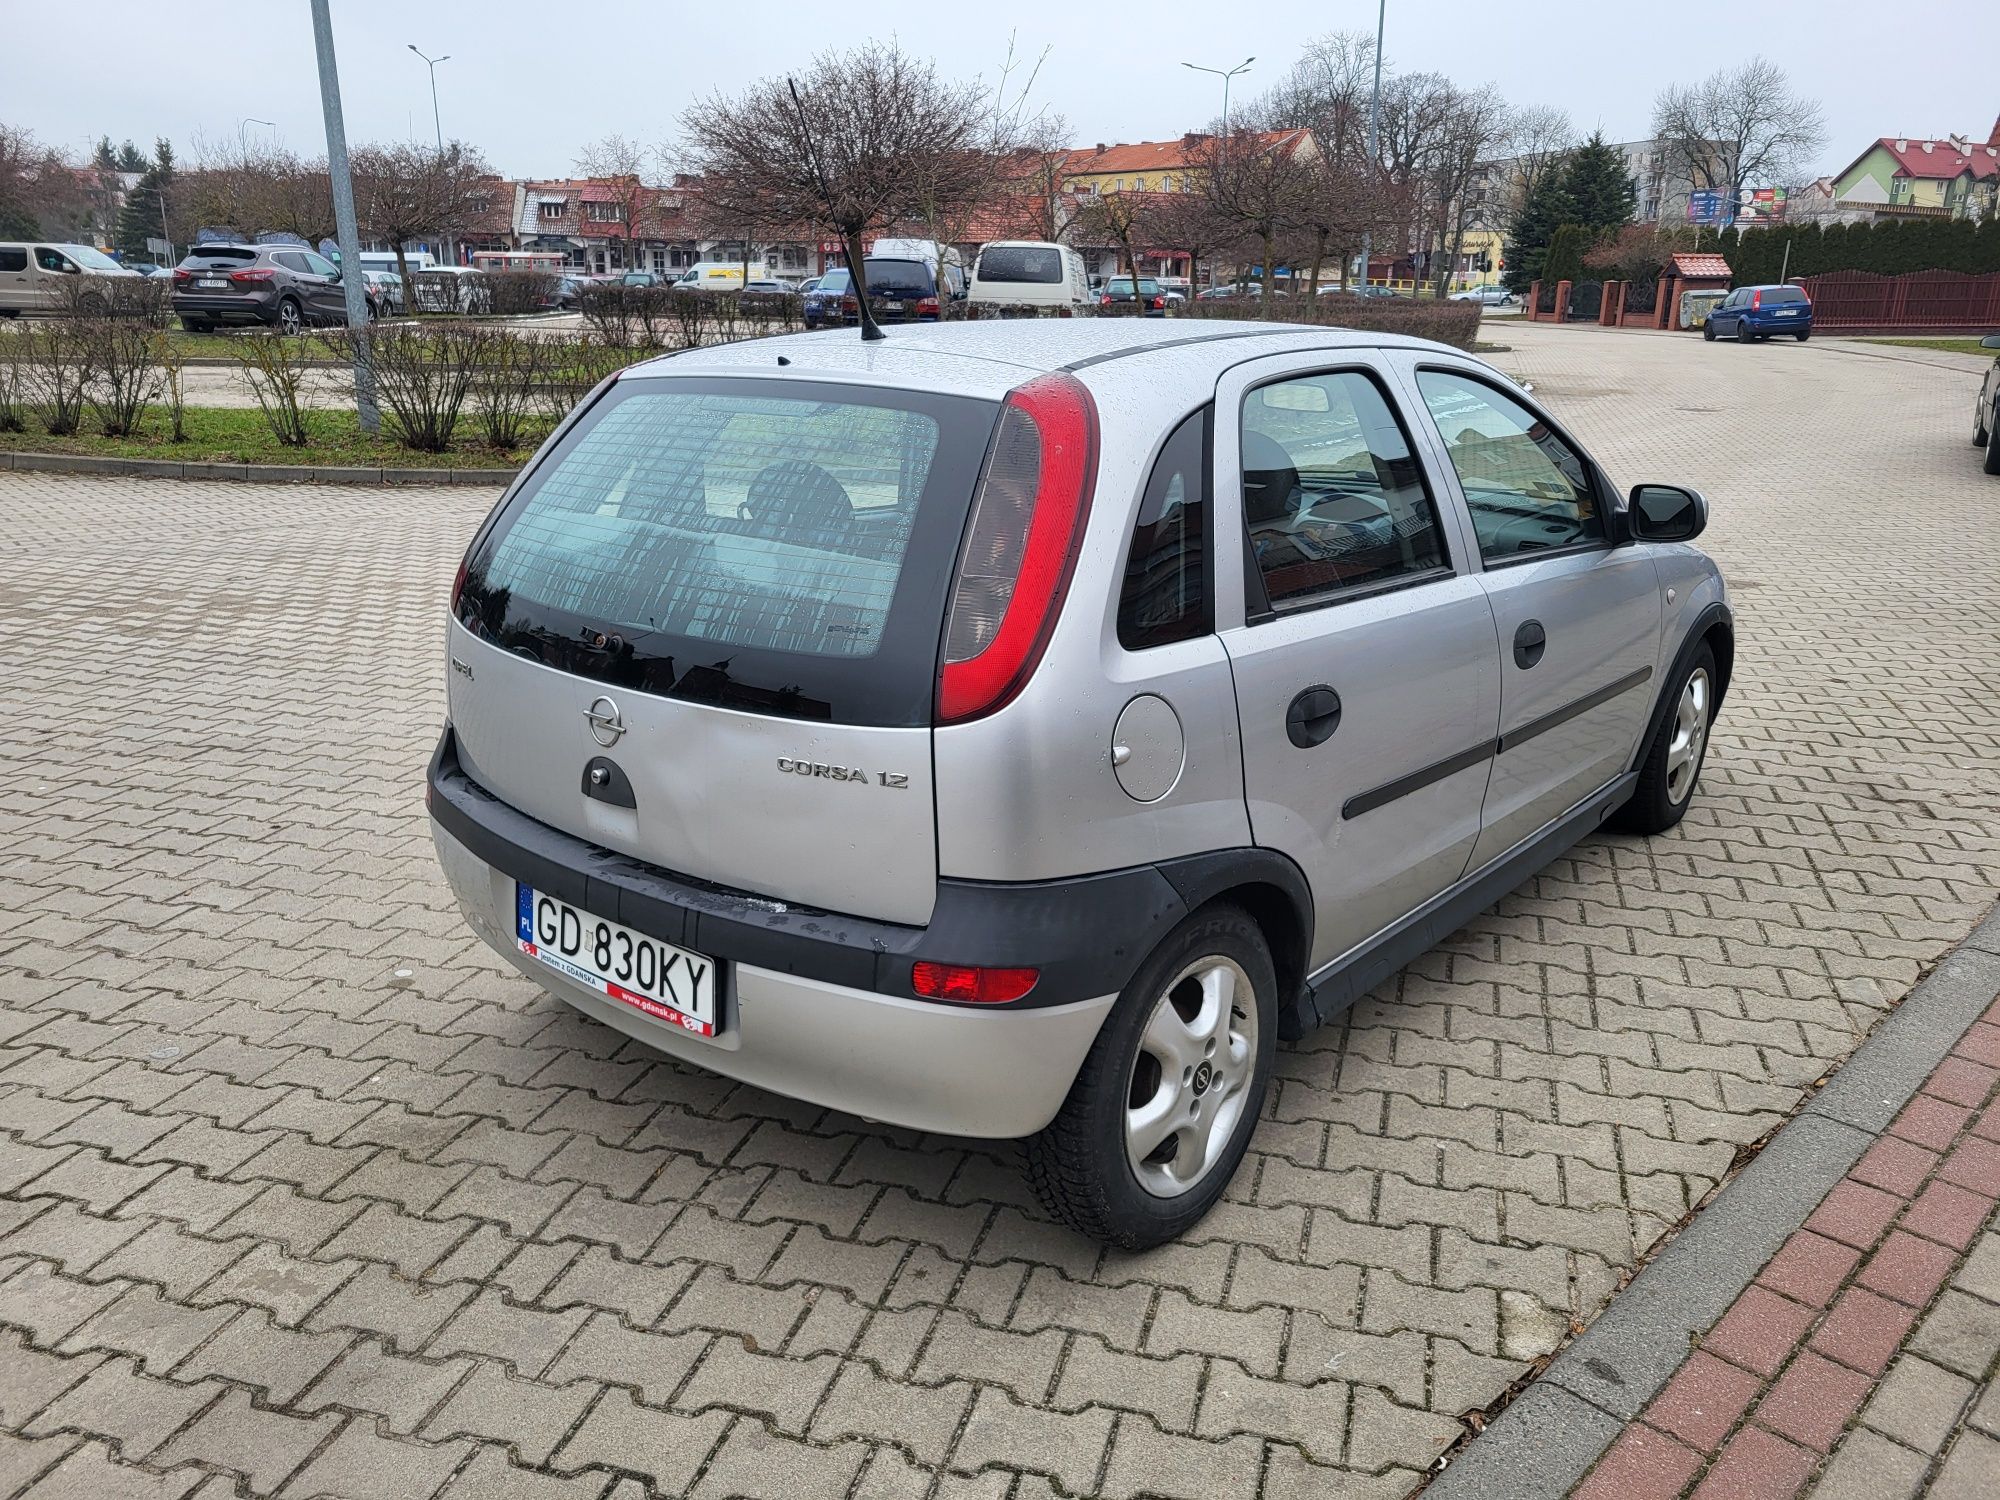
219,257
888,277
778,546
1040,265
1783,294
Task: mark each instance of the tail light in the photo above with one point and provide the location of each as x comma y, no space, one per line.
1756,300
849,305
965,982
1105,300
457,585
1159,304
181,274
1020,545
255,273
927,305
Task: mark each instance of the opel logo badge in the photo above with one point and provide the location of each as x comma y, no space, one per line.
607,725
1203,1076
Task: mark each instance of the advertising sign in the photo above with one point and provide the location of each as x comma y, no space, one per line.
1705,207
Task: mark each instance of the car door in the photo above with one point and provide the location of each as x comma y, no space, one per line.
326,294
1364,654
1726,314
16,290
1578,616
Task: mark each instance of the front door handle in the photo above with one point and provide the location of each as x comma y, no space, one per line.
1530,641
1312,717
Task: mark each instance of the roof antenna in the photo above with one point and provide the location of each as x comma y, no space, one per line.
856,272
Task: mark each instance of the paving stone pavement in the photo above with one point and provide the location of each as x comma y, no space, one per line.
302,1193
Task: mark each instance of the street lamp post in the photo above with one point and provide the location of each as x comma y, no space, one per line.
1374,135
345,227
1225,76
436,121
242,133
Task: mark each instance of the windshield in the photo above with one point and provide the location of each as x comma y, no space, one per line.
835,281
1039,265
89,259
890,278
778,546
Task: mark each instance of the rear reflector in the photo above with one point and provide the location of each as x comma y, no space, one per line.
1020,545
965,982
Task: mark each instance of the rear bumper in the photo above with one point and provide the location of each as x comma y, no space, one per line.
996,1073
257,307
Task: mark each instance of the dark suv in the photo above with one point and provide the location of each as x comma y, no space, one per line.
284,287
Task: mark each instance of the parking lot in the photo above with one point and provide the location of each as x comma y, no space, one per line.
299,1186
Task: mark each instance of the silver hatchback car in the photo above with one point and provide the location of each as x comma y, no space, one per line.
1014,729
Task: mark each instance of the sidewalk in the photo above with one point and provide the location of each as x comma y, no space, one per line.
1829,1326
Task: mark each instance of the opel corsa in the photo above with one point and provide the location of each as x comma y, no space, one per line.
1015,729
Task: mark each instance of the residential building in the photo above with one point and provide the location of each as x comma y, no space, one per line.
1904,177
1140,167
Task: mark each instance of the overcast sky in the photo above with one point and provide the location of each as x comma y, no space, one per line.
531,82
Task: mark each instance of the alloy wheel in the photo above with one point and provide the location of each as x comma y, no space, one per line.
289,320
1689,736
1189,1083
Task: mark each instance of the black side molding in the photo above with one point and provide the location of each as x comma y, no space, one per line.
1568,711
1416,781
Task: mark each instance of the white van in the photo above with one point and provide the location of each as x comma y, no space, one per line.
1033,273
32,275
718,275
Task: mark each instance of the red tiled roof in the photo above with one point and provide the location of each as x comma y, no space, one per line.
1708,267
1163,156
1941,159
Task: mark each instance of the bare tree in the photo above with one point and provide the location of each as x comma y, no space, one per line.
1737,128
853,144
407,191
1539,136
1454,169
617,168
1259,180
1124,220
253,192
1035,174
1188,221
41,190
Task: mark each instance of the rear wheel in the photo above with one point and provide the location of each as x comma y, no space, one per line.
1803,335
1981,433
198,325
291,317
1162,1109
1743,333
1993,441
1672,766
1708,332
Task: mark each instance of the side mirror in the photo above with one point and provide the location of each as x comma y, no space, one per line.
1667,513
1991,341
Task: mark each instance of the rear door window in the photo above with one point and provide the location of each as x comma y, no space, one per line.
1038,265
779,546
1333,498
13,258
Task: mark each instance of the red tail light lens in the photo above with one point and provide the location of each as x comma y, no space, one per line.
457,585
255,273
183,275
1756,300
1020,545
965,982
927,305
849,305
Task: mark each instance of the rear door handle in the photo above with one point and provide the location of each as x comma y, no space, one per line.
1530,641
1312,717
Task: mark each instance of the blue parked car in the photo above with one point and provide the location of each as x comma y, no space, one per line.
1751,313
822,303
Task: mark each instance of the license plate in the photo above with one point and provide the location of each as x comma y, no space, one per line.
1787,313
667,983
890,307
214,281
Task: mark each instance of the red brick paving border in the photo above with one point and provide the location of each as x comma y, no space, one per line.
1755,1410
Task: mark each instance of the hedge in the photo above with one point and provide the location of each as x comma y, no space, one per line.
1446,322
1888,248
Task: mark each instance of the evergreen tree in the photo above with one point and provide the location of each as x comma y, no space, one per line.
1598,188
131,159
1545,210
144,215
1564,261
104,159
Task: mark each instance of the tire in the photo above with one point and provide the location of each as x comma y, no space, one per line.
1743,333
1671,770
1083,1164
1993,441
291,318
1981,433
1708,332
198,325
1802,337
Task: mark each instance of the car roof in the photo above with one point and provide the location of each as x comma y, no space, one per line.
991,357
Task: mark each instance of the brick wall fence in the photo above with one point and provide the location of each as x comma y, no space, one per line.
1843,301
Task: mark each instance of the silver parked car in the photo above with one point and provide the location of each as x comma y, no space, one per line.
1986,409
1014,729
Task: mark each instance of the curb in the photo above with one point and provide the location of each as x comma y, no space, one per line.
160,468
1543,1444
